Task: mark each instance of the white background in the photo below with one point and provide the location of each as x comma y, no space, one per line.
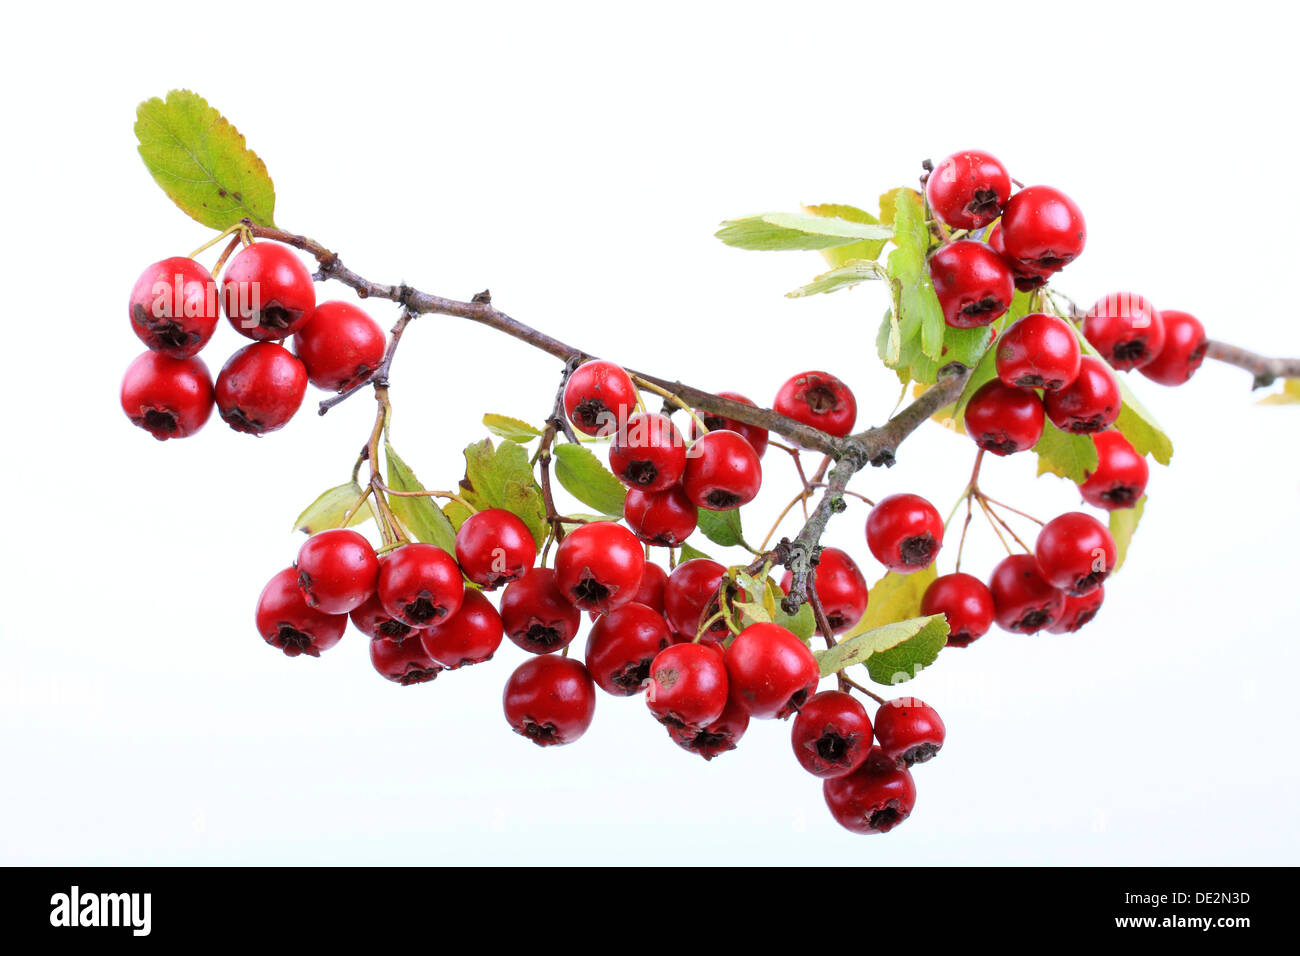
577,160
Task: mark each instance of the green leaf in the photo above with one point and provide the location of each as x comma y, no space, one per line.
1290,394
421,516
511,429
1135,423
846,276
328,510
689,553
200,161
584,477
892,653
894,597
502,477
802,623
909,275
779,231
1064,454
1123,522
840,255
722,527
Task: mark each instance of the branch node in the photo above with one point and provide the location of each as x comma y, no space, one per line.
483,298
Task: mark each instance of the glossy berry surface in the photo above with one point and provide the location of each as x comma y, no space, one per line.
1183,351
1075,552
909,730
599,397
651,590
1023,600
1027,277
404,663
840,587
267,292
757,437
1038,351
535,615
666,518
687,686
717,737
965,600
691,598
1126,329
1079,610
773,671
174,307
260,388
494,547
968,190
875,798
722,472
621,646
904,532
820,400
974,284
420,584
1043,228
648,453
598,566
340,345
550,700
471,636
1004,420
167,397
374,622
1120,477
286,622
1089,404
831,735
337,571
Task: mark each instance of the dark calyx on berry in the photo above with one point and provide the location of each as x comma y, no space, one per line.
631,676
294,642
1035,619
1037,381
722,500
541,734
394,630
1089,582
918,754
998,442
418,675
641,472
238,419
276,316
166,333
821,398
887,817
983,307
918,549
591,413
423,609
832,747
1132,350
714,422
707,743
590,590
157,421
543,635
983,205
1122,496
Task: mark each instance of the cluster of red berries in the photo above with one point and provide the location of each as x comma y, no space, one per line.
267,295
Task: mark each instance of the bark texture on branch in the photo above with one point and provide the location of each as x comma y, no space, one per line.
1265,369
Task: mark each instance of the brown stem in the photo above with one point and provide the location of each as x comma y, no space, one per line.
1265,369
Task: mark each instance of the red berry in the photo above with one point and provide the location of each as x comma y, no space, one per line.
965,600
1004,420
471,636
904,532
688,685
494,547
173,307
598,397
337,570
974,284
1088,404
167,397
722,472
1126,329
774,672
621,646
820,400
1043,228
260,388
648,453
832,734
909,730
550,700
1027,277
757,437
340,345
691,598
267,292
840,587
372,620
1079,610
1038,351
717,737
420,585
404,663
1023,601
1075,552
1120,477
651,591
285,621
665,518
598,566
535,615
1183,351
875,798
968,190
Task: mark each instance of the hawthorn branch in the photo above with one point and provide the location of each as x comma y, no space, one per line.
1265,369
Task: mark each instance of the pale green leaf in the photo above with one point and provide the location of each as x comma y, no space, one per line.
511,429
329,509
892,653
1123,523
840,255
583,476
419,515
895,597
1062,453
721,527
1290,394
778,231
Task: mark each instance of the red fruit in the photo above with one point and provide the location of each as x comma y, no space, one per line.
665,518
840,587
598,566
267,292
968,190
965,600
550,700
820,400
1043,228
167,397
1004,420
535,615
832,734
598,397
372,620
1027,278
173,307
974,284
722,472
691,598
909,730
494,547
1126,329
1075,552
420,585
651,591
1120,477
1183,351
648,453
904,532
757,437
260,388
1038,351
875,798
621,646
404,663
774,672
717,737
1090,403
1079,610
472,636
340,345
1023,601
688,685
285,621
337,571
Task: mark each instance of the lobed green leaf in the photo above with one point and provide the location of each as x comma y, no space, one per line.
583,476
1062,453
892,653
511,429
